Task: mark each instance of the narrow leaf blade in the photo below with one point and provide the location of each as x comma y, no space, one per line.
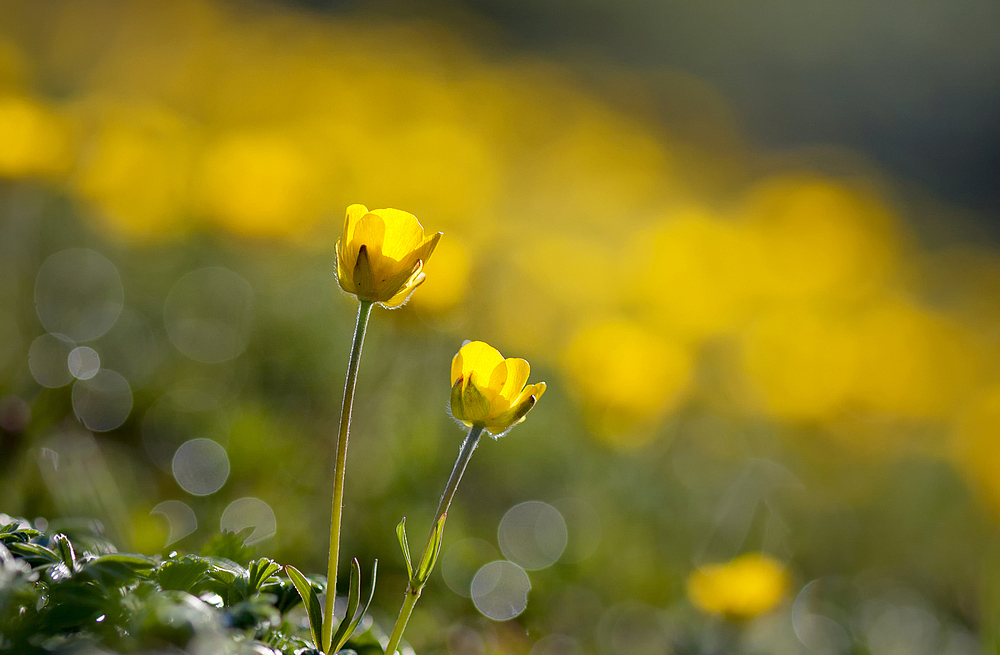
401,536
363,609
431,552
311,600
353,599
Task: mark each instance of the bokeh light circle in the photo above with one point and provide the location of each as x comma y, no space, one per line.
103,401
181,520
461,561
500,590
201,467
47,360
78,293
83,362
583,527
250,513
533,535
132,348
177,417
209,314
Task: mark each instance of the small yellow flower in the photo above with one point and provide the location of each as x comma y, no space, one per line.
381,254
749,585
488,390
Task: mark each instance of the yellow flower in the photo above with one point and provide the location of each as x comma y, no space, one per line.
488,391
749,585
381,254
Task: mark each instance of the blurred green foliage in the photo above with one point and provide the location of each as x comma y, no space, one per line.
745,353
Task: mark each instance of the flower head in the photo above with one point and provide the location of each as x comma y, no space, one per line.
742,588
488,390
381,254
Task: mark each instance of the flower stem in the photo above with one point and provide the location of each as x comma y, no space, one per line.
364,311
416,585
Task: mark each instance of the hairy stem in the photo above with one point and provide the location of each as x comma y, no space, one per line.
364,311
415,586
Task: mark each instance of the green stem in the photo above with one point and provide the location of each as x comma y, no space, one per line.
415,586
364,311
464,455
409,600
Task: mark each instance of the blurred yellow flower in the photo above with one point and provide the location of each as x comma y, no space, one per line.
449,283
381,254
259,184
625,376
35,140
488,390
749,585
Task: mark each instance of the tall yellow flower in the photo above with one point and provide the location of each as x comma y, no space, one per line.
488,390
742,588
382,252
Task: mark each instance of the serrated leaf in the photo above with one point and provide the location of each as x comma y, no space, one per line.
230,545
401,537
183,573
431,552
314,611
117,570
354,613
259,571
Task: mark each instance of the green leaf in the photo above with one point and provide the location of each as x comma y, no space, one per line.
231,546
62,546
182,573
285,594
227,579
401,536
431,552
354,613
259,572
14,533
254,613
72,606
34,554
310,599
117,570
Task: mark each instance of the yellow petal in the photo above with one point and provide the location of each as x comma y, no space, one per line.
517,374
368,231
497,378
536,389
456,367
479,360
354,214
392,272
391,279
531,391
426,247
344,270
402,233
400,298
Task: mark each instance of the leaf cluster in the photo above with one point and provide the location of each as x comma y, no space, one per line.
72,592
